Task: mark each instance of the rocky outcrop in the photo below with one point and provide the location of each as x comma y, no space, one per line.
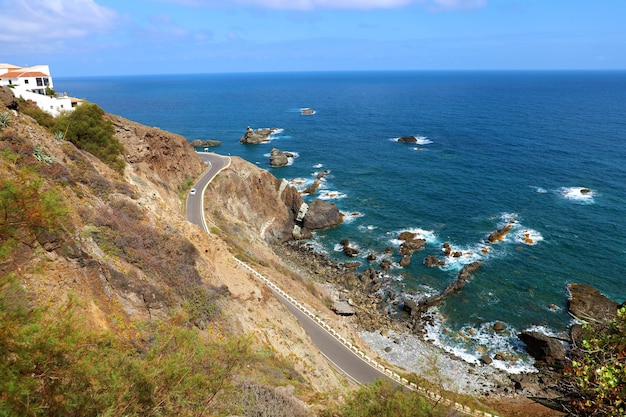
499,234
7,98
432,261
544,349
254,137
322,215
348,250
407,139
209,143
588,303
311,189
409,245
279,158
459,283
162,157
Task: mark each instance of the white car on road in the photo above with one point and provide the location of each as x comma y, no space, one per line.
192,191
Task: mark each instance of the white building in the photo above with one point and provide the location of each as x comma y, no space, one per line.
32,83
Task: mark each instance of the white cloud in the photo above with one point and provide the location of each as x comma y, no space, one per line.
34,21
437,5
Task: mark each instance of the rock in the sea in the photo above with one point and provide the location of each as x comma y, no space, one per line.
254,137
499,234
432,261
498,326
486,359
349,250
407,139
322,215
587,303
279,158
209,143
543,348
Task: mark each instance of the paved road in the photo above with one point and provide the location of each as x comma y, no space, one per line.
339,355
194,203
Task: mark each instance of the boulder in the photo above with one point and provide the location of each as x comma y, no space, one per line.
587,303
407,139
7,98
279,158
543,348
343,308
322,215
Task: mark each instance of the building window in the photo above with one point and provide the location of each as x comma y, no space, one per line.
39,82
25,81
46,81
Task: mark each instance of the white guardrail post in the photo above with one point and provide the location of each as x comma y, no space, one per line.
390,373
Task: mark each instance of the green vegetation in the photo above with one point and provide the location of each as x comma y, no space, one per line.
31,109
27,211
86,128
4,120
383,399
52,364
598,376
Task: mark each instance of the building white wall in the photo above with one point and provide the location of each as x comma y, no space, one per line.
53,105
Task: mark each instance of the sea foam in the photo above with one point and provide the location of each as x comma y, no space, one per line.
580,194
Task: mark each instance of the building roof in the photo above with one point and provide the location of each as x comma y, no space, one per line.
8,66
23,74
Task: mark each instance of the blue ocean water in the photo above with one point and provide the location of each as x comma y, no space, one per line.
493,147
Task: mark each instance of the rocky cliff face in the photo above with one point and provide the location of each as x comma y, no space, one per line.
127,254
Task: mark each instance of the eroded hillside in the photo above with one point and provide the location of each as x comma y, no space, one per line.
115,250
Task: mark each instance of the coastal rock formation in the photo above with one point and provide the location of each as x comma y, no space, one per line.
588,303
500,233
279,158
254,137
209,143
348,250
311,189
409,245
545,349
407,139
459,283
322,215
432,261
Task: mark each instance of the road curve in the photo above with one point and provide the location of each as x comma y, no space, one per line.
194,203
337,353
347,361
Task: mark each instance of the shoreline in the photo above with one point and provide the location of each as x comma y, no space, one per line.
393,340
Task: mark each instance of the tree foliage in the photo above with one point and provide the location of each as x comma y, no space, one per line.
86,128
598,374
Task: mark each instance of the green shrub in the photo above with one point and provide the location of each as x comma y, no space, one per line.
599,373
27,211
86,128
31,109
4,120
52,364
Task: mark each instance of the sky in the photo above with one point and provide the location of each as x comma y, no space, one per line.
143,37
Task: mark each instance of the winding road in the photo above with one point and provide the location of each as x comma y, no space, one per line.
355,367
342,358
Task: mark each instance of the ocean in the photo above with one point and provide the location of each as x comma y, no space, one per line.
543,150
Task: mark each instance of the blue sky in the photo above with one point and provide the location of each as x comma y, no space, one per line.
124,37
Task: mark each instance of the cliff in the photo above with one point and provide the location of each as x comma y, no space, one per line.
118,249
